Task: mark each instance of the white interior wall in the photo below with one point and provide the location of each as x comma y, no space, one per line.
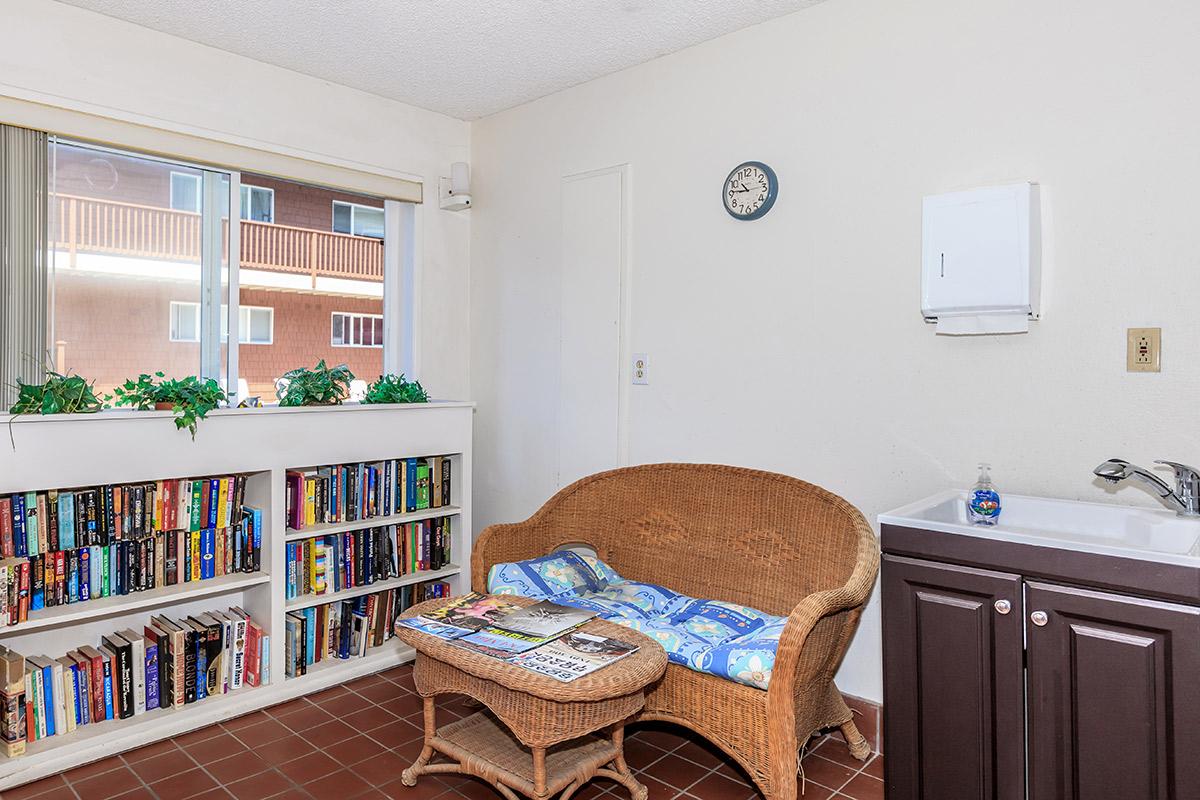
66,56
795,343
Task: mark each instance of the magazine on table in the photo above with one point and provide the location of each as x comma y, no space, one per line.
572,656
500,643
544,619
467,614
433,628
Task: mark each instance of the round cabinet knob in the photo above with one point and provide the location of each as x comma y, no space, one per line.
1003,606
1039,618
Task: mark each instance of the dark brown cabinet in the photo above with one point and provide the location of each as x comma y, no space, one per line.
953,688
1000,684
1114,696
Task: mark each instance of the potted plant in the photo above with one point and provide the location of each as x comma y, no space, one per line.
58,394
319,386
395,389
191,398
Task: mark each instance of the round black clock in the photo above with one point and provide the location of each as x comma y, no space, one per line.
750,190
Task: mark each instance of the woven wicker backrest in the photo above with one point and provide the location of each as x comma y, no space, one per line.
745,536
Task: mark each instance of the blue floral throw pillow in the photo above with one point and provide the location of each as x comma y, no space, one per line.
560,574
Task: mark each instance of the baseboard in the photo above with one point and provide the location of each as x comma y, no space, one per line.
868,716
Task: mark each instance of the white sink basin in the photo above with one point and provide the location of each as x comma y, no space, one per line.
1148,534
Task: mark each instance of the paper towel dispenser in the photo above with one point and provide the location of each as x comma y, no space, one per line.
981,259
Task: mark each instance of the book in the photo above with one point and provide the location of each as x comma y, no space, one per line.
152,678
138,667
573,655
123,681
66,673
83,671
111,692
544,619
13,727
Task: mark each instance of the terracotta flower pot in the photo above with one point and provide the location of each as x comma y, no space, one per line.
164,406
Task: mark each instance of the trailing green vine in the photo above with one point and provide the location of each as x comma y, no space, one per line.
191,398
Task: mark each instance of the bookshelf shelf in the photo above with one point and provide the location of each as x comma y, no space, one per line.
74,613
373,522
389,654
309,600
263,444
210,707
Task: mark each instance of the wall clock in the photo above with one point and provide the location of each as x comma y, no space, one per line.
750,190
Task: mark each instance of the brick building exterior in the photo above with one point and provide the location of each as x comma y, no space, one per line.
123,256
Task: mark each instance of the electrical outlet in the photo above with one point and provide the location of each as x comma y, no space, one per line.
641,369
1143,350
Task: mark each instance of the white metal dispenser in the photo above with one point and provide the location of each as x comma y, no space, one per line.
981,259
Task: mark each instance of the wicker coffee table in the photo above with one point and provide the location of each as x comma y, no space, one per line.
538,736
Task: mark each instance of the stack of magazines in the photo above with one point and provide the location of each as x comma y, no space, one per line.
542,638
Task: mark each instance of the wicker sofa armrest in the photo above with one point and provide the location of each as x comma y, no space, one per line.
818,632
501,544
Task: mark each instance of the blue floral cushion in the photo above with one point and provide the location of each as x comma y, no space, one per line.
717,621
747,659
548,578
730,641
683,648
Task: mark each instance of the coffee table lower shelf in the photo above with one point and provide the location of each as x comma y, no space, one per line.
483,747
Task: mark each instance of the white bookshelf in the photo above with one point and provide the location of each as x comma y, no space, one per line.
123,447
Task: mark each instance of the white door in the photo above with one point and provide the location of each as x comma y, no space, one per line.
594,265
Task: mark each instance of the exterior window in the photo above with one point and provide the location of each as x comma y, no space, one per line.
356,330
256,324
357,219
139,285
185,192
258,203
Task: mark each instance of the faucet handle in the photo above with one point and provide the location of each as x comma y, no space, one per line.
1183,473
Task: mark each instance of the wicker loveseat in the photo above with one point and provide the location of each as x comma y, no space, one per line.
755,538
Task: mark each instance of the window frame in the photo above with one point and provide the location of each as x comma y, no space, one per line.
354,208
224,318
248,202
364,315
197,183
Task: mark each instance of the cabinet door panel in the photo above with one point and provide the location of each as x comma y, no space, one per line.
1114,709
953,688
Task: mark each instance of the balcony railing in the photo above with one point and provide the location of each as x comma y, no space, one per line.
107,227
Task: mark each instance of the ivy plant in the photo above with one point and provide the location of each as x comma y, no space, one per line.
319,386
191,398
395,389
58,394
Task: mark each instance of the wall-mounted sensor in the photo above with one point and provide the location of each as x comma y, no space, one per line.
454,192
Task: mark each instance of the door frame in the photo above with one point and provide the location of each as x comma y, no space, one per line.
624,302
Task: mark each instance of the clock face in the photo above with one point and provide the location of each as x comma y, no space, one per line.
750,190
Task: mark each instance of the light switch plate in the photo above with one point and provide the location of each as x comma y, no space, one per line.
1143,350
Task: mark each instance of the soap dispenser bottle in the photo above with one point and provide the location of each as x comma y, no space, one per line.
983,501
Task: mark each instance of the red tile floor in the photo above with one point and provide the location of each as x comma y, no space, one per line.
351,743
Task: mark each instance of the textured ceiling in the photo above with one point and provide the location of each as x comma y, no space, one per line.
464,58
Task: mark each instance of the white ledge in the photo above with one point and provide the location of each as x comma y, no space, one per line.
109,414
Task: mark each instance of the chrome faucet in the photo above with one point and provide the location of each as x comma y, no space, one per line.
1184,498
